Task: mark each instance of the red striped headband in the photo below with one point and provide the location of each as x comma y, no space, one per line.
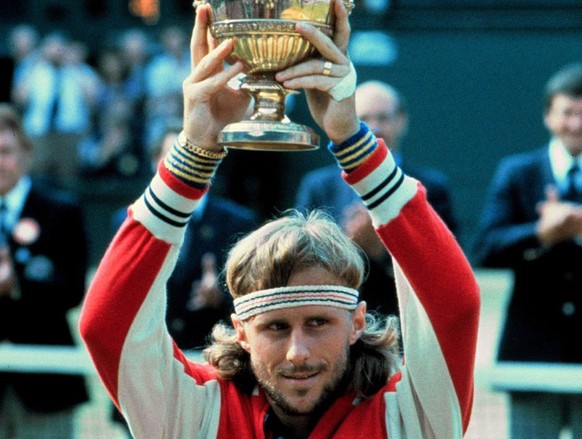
287,297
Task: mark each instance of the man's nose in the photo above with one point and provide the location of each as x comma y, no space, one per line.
298,347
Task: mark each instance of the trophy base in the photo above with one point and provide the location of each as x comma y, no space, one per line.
266,135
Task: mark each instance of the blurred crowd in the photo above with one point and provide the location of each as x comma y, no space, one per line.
104,107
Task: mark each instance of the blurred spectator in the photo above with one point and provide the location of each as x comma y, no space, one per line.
383,108
164,76
76,56
57,97
112,148
23,46
532,224
43,261
135,49
114,72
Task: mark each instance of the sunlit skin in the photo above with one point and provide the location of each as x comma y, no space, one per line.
564,120
14,161
300,355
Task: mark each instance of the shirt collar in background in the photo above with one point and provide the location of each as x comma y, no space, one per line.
561,161
15,200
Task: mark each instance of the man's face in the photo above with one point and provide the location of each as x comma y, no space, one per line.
564,120
378,109
13,161
300,355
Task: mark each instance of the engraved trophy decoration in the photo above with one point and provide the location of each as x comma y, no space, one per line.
266,42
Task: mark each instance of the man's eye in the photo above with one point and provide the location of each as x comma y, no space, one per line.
278,326
317,322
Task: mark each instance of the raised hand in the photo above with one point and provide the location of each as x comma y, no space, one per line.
559,220
206,292
320,78
7,276
209,103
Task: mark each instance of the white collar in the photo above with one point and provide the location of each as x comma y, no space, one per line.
16,198
561,160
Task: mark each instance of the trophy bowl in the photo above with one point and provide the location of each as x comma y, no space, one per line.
266,42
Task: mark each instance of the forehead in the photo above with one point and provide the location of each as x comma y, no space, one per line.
561,101
370,103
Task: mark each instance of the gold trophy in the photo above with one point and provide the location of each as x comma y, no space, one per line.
266,42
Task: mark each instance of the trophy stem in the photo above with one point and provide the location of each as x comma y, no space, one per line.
269,97
268,129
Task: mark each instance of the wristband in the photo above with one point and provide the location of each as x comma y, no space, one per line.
186,144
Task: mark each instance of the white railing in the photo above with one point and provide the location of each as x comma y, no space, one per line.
538,377
543,377
71,360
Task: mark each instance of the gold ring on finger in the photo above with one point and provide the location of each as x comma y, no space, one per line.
327,68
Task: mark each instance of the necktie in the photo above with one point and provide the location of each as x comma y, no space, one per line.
3,227
572,193
54,109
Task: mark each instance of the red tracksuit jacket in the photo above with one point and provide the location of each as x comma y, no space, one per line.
165,395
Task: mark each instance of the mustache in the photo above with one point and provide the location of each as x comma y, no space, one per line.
303,368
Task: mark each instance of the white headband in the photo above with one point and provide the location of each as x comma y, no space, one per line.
287,297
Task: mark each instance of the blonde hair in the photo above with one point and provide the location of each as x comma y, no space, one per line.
267,258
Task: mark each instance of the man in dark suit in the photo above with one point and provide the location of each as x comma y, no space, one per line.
43,262
384,109
532,224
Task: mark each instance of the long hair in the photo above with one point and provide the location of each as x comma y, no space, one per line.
267,258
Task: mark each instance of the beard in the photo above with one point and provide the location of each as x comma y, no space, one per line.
337,384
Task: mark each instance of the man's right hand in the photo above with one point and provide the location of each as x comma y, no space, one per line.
559,220
7,275
337,118
209,103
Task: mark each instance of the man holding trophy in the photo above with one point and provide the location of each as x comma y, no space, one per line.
303,360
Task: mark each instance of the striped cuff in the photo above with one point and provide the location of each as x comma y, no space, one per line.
383,187
191,166
356,150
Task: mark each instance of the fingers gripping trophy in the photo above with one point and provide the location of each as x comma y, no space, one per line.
266,41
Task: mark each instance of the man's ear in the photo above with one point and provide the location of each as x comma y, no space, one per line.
241,334
358,322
